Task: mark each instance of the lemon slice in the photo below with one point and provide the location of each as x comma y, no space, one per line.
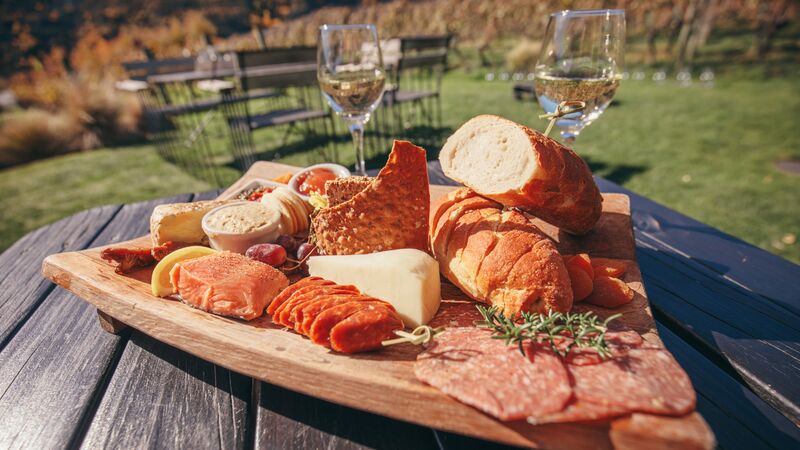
160,283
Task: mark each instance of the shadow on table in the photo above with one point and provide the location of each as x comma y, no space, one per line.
618,173
287,419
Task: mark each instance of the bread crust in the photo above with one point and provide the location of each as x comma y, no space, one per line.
562,191
499,257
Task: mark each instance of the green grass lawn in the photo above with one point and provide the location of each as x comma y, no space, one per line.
708,153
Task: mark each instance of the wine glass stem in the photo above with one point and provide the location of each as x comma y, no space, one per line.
357,131
569,137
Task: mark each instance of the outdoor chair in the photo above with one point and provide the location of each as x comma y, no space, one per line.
417,78
140,70
292,75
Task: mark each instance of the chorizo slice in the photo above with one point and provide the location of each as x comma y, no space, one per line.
282,314
320,330
365,330
286,293
304,315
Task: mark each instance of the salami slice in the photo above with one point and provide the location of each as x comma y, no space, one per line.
305,314
467,364
365,330
578,410
286,293
455,313
643,380
619,343
283,313
320,330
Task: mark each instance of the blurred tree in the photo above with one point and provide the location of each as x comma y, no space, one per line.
771,15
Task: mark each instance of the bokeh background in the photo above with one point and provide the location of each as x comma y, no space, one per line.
705,120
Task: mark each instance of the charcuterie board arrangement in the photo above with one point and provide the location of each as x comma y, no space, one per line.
511,309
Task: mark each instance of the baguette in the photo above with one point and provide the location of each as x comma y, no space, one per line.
520,167
497,257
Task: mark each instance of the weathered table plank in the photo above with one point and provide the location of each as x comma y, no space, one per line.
22,286
161,397
761,351
740,418
290,420
773,278
50,371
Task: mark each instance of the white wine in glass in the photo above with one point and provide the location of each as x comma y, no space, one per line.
351,76
582,59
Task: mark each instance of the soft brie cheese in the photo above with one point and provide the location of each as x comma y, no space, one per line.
406,278
181,222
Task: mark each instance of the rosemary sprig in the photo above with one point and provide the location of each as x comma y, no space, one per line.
561,331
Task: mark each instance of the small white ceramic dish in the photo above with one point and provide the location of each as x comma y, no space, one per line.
339,170
240,242
253,184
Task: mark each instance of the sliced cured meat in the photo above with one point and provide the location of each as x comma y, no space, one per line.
578,410
166,248
467,364
305,314
619,343
320,330
455,313
643,380
310,288
365,330
283,313
286,293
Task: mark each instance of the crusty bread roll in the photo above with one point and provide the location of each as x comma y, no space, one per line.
520,167
497,257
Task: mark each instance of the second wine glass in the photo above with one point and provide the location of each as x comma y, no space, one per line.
582,60
351,75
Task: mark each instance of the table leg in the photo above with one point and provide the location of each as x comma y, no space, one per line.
109,323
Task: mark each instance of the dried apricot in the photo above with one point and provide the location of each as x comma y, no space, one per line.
581,261
614,268
581,283
610,292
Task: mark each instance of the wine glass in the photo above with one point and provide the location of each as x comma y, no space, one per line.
351,75
582,60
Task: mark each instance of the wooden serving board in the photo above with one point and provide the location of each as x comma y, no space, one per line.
381,382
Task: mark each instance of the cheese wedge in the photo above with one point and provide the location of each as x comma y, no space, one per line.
406,278
181,222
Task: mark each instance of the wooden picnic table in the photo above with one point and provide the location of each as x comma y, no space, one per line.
728,312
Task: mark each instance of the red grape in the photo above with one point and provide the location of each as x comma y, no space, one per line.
305,249
271,254
287,242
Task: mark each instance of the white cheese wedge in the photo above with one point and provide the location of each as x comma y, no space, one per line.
406,278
